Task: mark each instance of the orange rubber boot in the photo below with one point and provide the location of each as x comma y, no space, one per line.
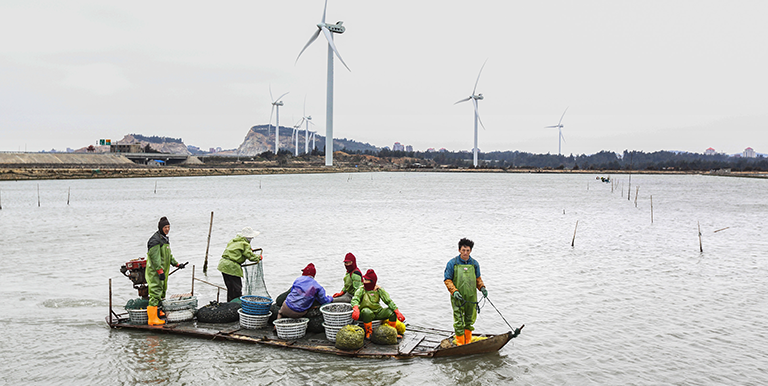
368,329
467,336
152,318
160,313
394,325
459,340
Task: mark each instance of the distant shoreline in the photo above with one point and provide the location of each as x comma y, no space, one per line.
17,173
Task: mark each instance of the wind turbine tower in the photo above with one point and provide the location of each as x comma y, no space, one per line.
276,103
328,30
559,128
475,97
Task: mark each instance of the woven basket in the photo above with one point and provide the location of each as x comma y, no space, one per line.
253,321
337,318
179,316
291,328
255,305
331,331
188,303
138,316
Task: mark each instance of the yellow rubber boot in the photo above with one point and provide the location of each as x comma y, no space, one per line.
368,329
467,336
152,318
394,325
459,340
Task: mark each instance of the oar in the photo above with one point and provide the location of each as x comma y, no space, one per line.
516,330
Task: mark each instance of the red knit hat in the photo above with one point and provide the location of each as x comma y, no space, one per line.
309,270
352,267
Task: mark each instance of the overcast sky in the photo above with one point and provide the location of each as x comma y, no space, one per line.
638,75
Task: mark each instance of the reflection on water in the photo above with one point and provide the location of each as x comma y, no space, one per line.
632,301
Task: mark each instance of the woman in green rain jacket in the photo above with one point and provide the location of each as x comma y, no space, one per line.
230,265
159,260
366,307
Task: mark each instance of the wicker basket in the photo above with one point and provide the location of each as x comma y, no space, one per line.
187,303
138,316
179,316
337,318
291,328
331,331
253,321
255,305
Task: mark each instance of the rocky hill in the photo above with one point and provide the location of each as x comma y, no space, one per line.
262,138
161,144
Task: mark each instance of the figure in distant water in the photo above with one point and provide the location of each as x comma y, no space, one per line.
462,278
159,260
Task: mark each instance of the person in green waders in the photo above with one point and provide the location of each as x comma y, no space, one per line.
462,278
366,307
353,280
230,265
159,260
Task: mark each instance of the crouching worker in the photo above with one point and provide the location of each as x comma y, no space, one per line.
159,260
366,307
230,265
304,291
353,280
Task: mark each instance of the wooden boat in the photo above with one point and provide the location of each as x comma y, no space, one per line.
416,341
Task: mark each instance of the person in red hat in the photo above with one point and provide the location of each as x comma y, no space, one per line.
304,292
353,280
366,307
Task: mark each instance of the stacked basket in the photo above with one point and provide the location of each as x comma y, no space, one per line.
291,328
179,308
335,316
255,311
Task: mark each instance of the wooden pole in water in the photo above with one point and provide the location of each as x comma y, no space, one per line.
629,188
68,191
192,292
207,247
637,188
651,209
1,200
38,195
720,229
701,249
155,187
574,233
110,301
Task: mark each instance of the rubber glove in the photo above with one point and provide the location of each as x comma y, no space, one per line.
161,274
182,265
484,291
458,297
337,294
400,316
356,312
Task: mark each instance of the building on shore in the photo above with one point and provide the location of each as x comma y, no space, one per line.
749,153
710,151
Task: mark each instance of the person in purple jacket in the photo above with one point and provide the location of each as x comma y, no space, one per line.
304,291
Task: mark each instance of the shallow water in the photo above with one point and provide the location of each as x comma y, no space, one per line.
633,302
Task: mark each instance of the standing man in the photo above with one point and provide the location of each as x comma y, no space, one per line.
462,278
159,260
230,266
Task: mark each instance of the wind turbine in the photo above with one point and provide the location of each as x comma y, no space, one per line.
296,130
559,128
475,97
328,30
276,103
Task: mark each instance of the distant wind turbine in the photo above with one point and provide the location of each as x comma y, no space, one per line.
559,128
296,131
328,30
475,97
276,103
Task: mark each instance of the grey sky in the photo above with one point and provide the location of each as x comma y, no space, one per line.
644,75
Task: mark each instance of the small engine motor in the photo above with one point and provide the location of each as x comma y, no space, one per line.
134,270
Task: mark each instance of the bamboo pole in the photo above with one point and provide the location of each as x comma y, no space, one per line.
207,247
701,248
68,191
110,302
38,195
1,200
651,209
155,187
574,233
720,229
192,292
637,188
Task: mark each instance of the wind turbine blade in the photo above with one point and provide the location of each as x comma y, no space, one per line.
270,115
324,9
463,100
550,127
478,77
270,95
477,113
281,97
562,137
312,39
329,37
561,118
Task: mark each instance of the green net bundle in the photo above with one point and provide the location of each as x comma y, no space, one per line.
350,337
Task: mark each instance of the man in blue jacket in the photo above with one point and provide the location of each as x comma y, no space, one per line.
462,278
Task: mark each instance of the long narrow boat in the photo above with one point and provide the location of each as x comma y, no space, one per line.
416,341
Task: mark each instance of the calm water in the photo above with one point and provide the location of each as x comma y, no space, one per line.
631,303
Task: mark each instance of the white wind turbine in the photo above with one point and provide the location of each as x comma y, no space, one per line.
296,130
328,30
475,97
306,120
276,103
559,128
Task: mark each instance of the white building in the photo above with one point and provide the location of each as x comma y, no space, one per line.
710,151
398,147
749,153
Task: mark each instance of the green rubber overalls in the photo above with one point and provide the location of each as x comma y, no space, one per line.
464,315
371,310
